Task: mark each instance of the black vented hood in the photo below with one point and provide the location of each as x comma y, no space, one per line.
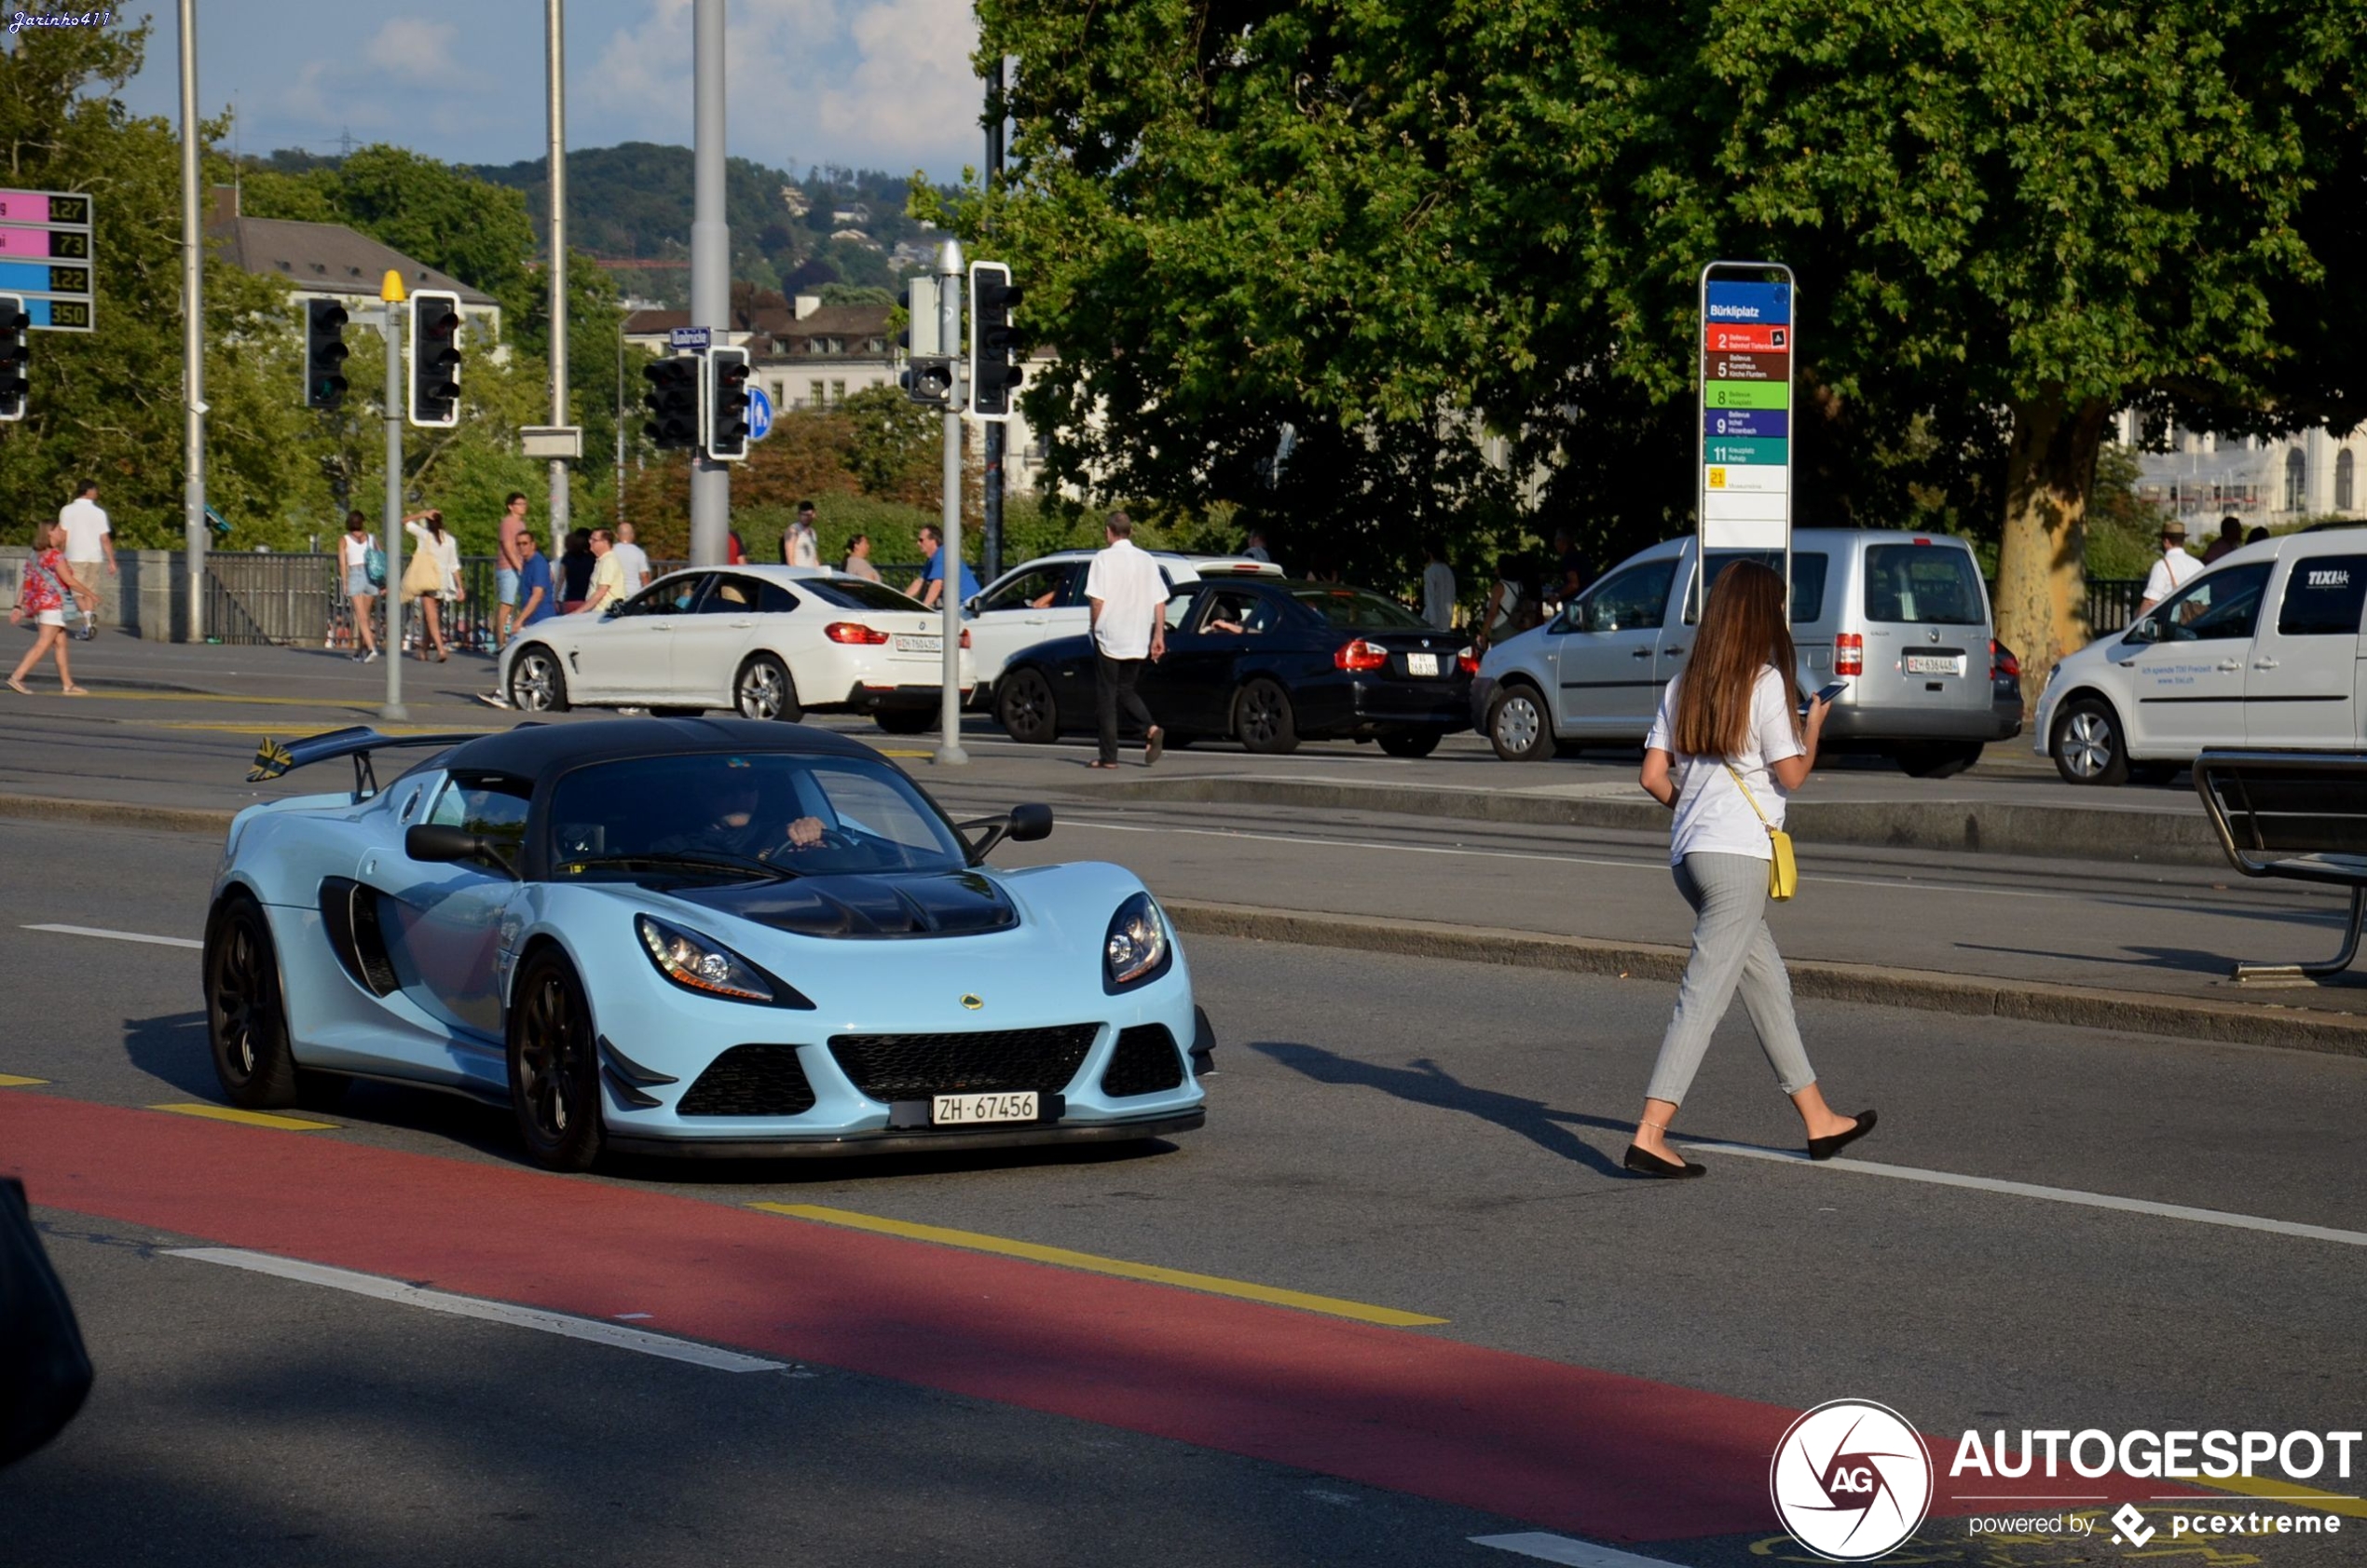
947,904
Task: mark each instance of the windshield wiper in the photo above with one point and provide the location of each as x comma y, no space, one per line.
701,859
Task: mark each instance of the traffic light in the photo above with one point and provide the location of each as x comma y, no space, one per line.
16,357
928,378
673,402
727,405
324,353
994,351
928,371
436,358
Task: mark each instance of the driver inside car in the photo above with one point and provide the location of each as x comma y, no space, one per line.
739,824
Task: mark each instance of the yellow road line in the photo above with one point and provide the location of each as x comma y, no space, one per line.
272,731
341,703
1062,1257
2274,1489
885,751
247,1118
10,1081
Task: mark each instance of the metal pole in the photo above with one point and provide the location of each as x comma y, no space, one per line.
620,426
991,545
392,325
555,30
193,534
710,269
949,315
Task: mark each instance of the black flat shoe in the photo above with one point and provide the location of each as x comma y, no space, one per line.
1643,1162
1826,1148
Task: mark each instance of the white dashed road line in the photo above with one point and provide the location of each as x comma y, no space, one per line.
1561,1549
117,935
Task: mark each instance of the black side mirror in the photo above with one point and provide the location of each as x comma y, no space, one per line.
1031,822
2144,631
1023,824
433,841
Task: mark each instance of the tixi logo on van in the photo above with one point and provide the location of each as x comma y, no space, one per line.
2338,577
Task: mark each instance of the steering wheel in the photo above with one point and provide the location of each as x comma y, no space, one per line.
787,849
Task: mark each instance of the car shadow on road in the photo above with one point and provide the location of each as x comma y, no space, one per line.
1423,1082
172,1047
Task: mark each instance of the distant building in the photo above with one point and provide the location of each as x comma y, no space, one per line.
2259,481
330,261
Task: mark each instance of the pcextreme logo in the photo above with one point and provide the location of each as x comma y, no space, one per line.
1851,1481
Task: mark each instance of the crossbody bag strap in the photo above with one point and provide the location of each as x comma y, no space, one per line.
1749,797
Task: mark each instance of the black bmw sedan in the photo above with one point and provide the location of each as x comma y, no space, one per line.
1271,662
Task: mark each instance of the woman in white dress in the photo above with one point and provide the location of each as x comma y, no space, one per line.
426,529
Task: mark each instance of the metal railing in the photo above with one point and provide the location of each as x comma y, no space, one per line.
269,598
2111,603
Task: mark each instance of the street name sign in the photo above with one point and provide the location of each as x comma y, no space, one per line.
694,338
45,257
1747,342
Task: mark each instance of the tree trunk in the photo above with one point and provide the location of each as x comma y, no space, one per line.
2042,590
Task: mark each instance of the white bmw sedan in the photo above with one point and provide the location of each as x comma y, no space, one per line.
768,642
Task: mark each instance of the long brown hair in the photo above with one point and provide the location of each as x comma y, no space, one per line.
1745,626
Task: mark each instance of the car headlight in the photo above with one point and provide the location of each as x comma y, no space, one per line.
1138,947
699,963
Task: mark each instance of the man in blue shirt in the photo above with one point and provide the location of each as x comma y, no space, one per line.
535,598
929,587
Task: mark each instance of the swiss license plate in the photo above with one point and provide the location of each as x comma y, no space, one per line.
1421,663
1934,664
958,1111
905,643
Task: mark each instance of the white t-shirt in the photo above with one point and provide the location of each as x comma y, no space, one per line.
636,564
805,548
1438,594
356,552
2172,572
86,525
1711,816
1132,594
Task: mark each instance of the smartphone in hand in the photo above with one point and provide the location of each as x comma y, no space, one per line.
1825,694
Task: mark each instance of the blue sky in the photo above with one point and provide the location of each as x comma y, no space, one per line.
877,84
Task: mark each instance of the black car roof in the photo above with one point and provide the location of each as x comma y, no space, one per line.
534,750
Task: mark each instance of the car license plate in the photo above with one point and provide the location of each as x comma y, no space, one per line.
1934,664
919,645
964,1109
1421,663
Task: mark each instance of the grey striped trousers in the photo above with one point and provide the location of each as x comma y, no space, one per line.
1732,947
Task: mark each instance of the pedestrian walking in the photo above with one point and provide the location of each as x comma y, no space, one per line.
2173,571
1569,568
42,593
800,545
608,589
364,572
575,571
635,560
1128,600
1438,586
433,579
1255,549
1514,605
537,603
929,587
1725,752
859,559
2231,539
506,561
89,546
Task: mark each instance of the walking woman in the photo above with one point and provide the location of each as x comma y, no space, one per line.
1724,754
42,594
433,577
354,552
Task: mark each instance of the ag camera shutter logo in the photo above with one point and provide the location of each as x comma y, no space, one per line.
1851,1481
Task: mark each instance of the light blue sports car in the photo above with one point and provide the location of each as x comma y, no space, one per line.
691,936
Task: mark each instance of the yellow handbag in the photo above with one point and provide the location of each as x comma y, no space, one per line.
1783,871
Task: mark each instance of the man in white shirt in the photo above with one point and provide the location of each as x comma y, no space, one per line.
1129,598
800,545
1438,586
635,559
2173,571
90,541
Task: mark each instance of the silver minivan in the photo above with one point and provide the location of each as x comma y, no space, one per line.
1903,618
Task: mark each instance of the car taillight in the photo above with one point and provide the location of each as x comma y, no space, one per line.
1361,655
2002,661
854,631
966,636
1466,662
1849,654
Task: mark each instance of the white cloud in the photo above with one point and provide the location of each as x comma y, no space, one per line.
414,49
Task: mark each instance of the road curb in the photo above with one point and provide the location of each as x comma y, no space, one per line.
1947,826
2237,1023
114,813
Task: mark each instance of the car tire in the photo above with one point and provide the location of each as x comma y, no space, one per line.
1262,717
905,721
537,682
1410,742
1024,707
1937,759
763,689
1517,725
246,1011
555,1065
2087,743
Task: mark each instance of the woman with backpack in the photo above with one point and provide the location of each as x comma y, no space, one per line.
433,578
41,594
365,573
1724,754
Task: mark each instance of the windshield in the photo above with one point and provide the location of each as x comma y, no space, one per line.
855,593
801,815
1360,610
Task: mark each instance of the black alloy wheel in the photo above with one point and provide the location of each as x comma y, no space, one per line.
246,1020
1262,717
1410,742
537,683
554,1065
765,692
1518,727
1024,707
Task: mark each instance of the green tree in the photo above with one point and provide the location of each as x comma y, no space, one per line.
894,445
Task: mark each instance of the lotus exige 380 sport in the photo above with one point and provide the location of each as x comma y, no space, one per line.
691,936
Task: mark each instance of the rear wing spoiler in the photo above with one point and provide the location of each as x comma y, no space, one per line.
274,758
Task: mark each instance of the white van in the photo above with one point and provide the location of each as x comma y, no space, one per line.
2262,650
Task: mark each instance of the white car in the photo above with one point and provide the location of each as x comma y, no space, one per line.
1044,599
2261,651
768,642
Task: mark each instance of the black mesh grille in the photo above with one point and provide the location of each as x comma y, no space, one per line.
1143,1063
893,1067
751,1080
